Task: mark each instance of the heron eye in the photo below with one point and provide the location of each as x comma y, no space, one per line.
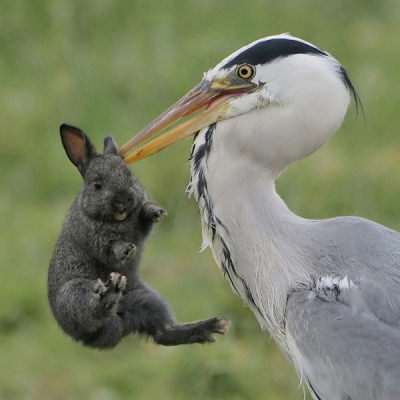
97,184
245,71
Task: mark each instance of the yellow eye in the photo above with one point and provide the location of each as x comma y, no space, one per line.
245,71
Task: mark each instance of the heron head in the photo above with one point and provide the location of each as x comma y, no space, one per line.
286,80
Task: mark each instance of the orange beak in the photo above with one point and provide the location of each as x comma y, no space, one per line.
215,95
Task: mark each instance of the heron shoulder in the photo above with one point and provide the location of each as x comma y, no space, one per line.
362,362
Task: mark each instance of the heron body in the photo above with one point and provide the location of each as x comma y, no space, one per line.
327,290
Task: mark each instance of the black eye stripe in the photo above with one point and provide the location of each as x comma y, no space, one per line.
268,50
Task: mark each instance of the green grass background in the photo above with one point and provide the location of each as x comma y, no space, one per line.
110,67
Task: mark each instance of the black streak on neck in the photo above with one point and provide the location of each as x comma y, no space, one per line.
203,151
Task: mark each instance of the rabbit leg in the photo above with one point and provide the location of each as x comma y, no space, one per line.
86,310
194,332
145,312
105,296
152,212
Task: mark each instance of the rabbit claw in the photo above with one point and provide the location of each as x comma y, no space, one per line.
99,289
105,296
116,281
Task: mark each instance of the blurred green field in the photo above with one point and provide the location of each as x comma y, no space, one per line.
110,67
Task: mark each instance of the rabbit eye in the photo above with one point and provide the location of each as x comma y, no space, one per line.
97,184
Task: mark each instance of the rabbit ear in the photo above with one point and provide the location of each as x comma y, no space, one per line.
110,146
80,150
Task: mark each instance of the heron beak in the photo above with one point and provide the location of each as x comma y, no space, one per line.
215,95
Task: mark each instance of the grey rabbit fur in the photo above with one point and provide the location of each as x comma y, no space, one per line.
94,288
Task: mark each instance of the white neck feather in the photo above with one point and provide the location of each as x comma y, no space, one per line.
263,248
265,240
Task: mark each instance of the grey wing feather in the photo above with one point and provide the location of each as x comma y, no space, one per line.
344,354
345,331
368,254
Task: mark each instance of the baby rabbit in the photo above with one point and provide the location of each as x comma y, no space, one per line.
94,288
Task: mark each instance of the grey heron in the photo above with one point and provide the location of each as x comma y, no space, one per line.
327,290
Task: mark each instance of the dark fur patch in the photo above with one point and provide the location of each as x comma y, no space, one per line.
93,283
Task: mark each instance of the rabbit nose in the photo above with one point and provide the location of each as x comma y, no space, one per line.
123,200
119,206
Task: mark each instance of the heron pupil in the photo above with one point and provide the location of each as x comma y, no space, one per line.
245,71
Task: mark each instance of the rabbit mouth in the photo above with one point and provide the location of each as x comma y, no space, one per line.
120,215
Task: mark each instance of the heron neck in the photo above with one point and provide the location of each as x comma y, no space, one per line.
268,246
246,196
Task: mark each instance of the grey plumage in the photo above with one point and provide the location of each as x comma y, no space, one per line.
328,291
94,288
345,329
